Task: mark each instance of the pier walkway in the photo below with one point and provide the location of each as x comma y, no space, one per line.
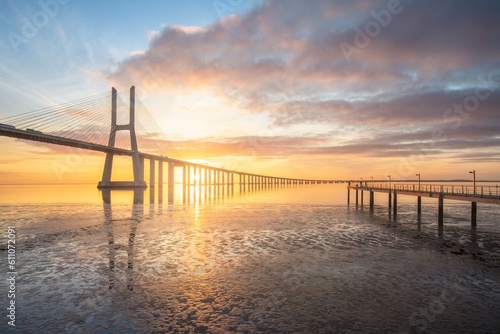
473,194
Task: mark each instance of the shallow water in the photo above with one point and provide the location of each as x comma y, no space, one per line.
287,260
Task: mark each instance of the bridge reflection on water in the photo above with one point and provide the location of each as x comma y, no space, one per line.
281,260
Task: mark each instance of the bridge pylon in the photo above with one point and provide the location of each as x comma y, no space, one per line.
138,181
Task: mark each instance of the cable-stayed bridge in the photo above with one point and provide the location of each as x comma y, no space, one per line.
106,123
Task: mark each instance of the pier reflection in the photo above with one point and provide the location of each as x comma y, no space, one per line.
121,234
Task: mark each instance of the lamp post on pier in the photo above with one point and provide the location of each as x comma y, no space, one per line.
390,195
419,198
474,204
473,172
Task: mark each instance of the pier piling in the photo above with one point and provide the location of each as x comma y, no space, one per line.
473,213
440,210
395,204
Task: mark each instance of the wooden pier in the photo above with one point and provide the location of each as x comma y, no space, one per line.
473,194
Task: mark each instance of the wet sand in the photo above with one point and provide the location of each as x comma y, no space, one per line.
251,268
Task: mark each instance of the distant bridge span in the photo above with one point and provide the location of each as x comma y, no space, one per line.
56,140
193,173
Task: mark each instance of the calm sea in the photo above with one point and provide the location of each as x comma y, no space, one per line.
282,260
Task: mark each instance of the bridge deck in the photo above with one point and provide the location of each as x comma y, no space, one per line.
46,138
56,140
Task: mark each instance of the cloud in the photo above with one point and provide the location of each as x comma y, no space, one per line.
284,60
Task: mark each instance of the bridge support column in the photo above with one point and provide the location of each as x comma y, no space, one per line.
205,182
419,205
171,177
188,183
152,172
211,181
141,167
390,199
473,213
138,181
216,183
371,199
362,197
151,181
356,196
184,184
160,181
195,175
160,173
223,183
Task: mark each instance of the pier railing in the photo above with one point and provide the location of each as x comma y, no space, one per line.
473,194
468,191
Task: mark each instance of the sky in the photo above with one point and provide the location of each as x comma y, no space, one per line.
320,89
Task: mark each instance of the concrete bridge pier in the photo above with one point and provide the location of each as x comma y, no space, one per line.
160,182
141,168
242,183
184,184
222,183
138,171
188,181
151,181
200,180
171,185
217,181
205,182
